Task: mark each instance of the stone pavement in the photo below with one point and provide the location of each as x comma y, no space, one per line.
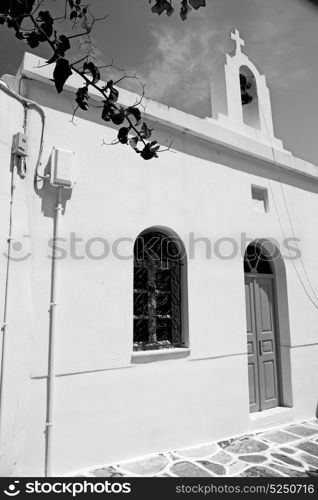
287,451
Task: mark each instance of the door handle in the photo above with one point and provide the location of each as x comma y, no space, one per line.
260,348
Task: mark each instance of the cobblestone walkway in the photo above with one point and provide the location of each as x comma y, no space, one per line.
287,451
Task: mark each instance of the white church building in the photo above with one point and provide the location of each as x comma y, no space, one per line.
181,304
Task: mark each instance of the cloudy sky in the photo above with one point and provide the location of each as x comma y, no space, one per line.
175,58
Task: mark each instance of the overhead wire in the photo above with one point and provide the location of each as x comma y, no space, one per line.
289,219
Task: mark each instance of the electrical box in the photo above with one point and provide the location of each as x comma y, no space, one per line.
20,145
62,168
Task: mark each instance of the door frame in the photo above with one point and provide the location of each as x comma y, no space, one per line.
283,340
271,277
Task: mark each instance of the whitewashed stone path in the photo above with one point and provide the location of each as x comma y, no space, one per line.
287,451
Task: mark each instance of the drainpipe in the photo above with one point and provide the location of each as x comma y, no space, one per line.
52,340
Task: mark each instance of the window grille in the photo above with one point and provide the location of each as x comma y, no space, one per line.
255,261
157,292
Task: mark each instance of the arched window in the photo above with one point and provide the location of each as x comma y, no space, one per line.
249,98
158,259
255,261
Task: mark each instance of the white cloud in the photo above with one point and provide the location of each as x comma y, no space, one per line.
177,70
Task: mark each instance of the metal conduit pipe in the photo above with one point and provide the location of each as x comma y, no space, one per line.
5,323
27,104
52,340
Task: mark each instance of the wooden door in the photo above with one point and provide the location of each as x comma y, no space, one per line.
261,342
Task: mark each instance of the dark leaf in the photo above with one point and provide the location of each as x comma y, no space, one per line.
16,11
108,111
169,9
133,143
62,44
150,151
123,135
73,15
159,7
185,9
196,4
4,6
113,95
135,112
44,17
9,22
109,84
118,117
82,97
146,131
71,3
19,34
183,14
18,8
45,21
94,71
32,39
61,73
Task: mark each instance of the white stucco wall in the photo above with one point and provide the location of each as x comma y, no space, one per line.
108,408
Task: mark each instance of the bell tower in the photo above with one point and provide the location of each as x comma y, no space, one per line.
240,97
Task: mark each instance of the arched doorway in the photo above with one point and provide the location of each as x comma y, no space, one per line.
262,329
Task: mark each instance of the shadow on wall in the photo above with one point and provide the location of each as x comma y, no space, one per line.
49,193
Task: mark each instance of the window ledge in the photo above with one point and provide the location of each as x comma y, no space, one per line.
160,355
